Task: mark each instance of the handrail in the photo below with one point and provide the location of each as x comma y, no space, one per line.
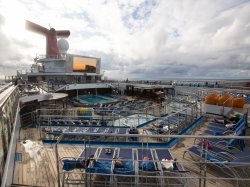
4,87
5,95
9,164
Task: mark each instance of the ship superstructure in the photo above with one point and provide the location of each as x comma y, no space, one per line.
59,70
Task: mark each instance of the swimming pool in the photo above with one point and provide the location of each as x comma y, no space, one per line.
133,120
96,99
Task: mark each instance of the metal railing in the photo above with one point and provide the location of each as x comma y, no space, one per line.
8,107
200,175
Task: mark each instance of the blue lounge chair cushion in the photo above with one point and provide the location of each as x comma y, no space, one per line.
127,169
72,164
100,167
123,171
147,166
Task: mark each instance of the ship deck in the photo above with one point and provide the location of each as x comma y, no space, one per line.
43,172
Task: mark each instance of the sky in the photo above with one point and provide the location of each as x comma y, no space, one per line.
135,39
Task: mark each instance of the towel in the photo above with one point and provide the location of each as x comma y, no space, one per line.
167,164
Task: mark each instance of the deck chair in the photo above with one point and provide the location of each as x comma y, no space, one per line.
122,130
146,161
221,131
103,162
147,167
81,129
236,166
229,143
164,153
177,170
124,167
219,126
70,164
225,152
94,130
56,131
126,156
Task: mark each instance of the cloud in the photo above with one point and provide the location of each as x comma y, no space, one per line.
139,39
9,55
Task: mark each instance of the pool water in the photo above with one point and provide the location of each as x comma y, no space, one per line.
133,120
96,99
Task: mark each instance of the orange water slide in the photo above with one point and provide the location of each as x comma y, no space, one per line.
212,99
238,102
226,100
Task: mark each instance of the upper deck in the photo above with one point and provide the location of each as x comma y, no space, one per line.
41,164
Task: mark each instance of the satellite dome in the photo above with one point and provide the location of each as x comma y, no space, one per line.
63,46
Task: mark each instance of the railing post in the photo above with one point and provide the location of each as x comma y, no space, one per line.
57,160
